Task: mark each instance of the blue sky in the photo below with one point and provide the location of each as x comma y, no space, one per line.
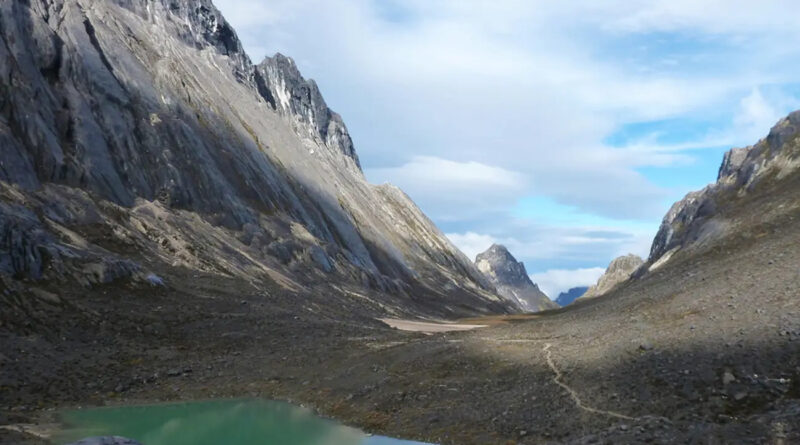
563,130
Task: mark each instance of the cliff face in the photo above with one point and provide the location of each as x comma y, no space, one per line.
619,270
137,134
282,85
511,279
706,215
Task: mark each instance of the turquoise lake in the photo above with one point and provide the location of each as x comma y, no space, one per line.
219,422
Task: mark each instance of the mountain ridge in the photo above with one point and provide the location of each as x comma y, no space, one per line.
565,298
154,109
696,220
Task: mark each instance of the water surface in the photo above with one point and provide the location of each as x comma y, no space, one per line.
229,422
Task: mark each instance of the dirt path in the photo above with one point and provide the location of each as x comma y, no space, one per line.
573,393
428,327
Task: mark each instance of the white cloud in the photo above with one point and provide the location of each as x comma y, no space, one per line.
553,282
452,190
541,245
639,244
471,243
470,105
244,14
732,16
453,175
756,115
509,85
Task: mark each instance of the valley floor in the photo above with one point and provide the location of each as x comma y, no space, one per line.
703,350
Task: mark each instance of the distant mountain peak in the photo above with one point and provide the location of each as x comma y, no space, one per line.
511,279
565,298
498,262
619,270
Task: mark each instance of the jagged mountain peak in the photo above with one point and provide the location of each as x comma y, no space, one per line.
698,218
285,88
624,263
150,116
619,270
511,279
497,249
498,261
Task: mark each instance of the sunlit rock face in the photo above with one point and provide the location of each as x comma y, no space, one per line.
511,279
146,122
697,219
618,271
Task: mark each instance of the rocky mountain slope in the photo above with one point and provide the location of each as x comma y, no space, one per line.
511,279
125,285
565,298
704,348
703,216
138,141
619,270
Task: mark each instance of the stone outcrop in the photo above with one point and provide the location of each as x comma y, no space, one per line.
135,130
281,83
511,279
618,271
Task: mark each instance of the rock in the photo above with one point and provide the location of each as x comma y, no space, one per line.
45,296
267,187
618,271
646,346
728,377
154,279
291,94
511,279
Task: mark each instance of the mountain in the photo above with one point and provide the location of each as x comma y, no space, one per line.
618,271
177,223
703,344
703,217
138,140
565,298
712,213
511,279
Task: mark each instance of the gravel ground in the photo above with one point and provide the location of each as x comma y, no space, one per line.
704,350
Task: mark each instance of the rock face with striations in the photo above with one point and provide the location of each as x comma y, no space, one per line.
619,270
701,217
136,135
511,279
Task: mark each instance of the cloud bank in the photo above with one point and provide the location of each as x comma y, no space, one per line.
541,124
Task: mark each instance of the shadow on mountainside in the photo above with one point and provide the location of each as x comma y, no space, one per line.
706,347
